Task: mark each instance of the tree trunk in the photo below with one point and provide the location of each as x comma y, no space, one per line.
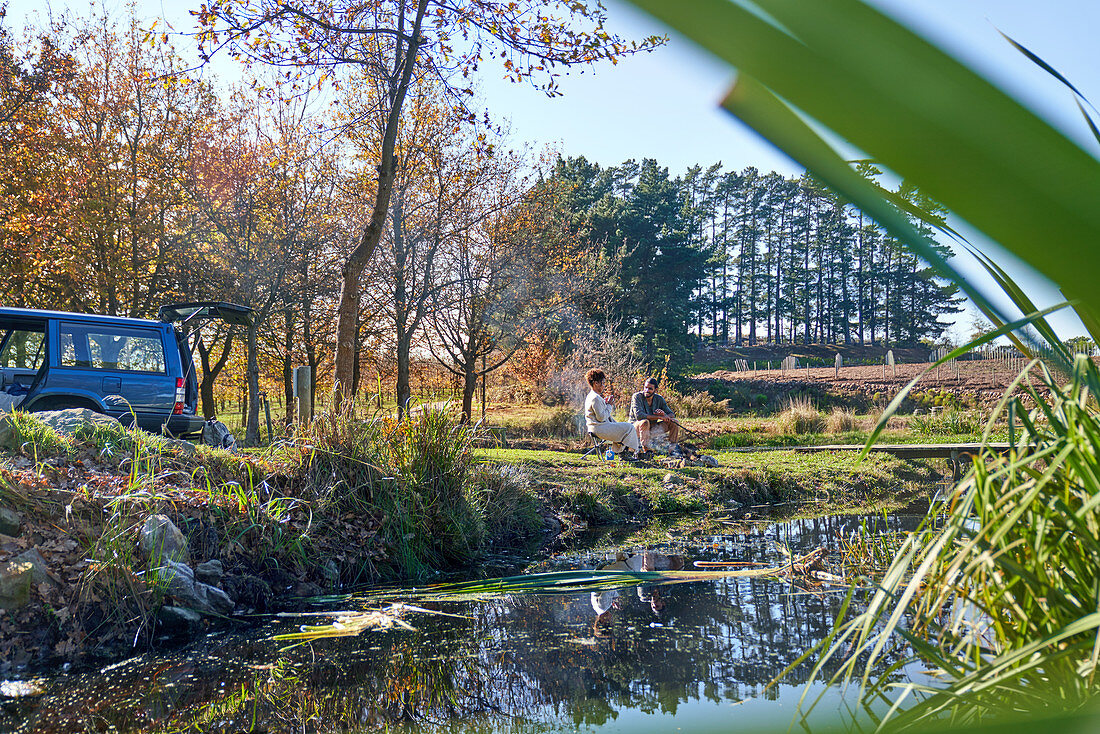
403,389
469,388
252,433
209,374
347,313
288,365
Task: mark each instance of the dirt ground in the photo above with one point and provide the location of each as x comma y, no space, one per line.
970,383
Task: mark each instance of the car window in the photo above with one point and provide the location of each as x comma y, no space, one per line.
112,348
22,350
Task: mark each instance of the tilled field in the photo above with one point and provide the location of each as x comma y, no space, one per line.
978,382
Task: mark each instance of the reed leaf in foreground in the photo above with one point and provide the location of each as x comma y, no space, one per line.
1004,598
351,623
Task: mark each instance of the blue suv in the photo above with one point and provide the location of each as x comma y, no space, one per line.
131,369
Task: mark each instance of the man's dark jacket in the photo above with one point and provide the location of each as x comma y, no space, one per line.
640,410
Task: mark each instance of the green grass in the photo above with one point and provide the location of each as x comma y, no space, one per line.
601,492
749,440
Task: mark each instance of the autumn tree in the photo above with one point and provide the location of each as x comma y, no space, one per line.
261,191
128,123
35,187
399,41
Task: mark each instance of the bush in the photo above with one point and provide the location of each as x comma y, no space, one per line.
842,421
409,477
801,416
502,493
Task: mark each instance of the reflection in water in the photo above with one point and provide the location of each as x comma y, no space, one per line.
524,662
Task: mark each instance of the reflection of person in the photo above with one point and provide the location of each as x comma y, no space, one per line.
604,604
597,417
651,415
652,595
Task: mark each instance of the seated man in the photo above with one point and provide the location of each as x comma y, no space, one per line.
597,417
652,417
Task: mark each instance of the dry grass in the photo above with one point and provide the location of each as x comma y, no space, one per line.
699,405
800,417
842,420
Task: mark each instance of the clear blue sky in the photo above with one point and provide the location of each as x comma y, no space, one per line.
664,105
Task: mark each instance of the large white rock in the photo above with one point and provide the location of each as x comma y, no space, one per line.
69,420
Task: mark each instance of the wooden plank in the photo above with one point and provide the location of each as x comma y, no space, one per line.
912,451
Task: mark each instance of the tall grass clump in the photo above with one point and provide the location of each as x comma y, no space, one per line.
842,420
700,404
29,435
947,423
503,496
800,417
409,478
1002,596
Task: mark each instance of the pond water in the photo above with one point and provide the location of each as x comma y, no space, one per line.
693,656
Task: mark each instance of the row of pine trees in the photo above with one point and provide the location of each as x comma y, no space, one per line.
744,258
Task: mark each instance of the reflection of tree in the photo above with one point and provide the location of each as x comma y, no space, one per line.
532,657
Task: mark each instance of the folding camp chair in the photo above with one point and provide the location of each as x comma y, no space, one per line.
597,446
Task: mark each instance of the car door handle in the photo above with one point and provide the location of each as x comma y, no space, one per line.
112,384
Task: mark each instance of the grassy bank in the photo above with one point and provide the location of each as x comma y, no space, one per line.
595,492
351,502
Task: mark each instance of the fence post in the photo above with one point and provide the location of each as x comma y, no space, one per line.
302,395
1012,424
267,415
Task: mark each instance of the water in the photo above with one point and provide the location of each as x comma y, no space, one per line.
687,656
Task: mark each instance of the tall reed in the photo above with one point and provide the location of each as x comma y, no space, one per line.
408,480
1002,597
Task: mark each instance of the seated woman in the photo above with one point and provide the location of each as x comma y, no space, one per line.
597,416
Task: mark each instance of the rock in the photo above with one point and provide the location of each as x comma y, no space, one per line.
179,621
708,460
671,478
18,575
68,421
280,581
178,579
15,585
210,572
180,584
10,521
184,447
213,600
8,434
162,541
306,589
249,591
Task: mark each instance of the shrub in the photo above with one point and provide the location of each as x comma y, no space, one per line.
842,421
410,477
502,493
801,416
